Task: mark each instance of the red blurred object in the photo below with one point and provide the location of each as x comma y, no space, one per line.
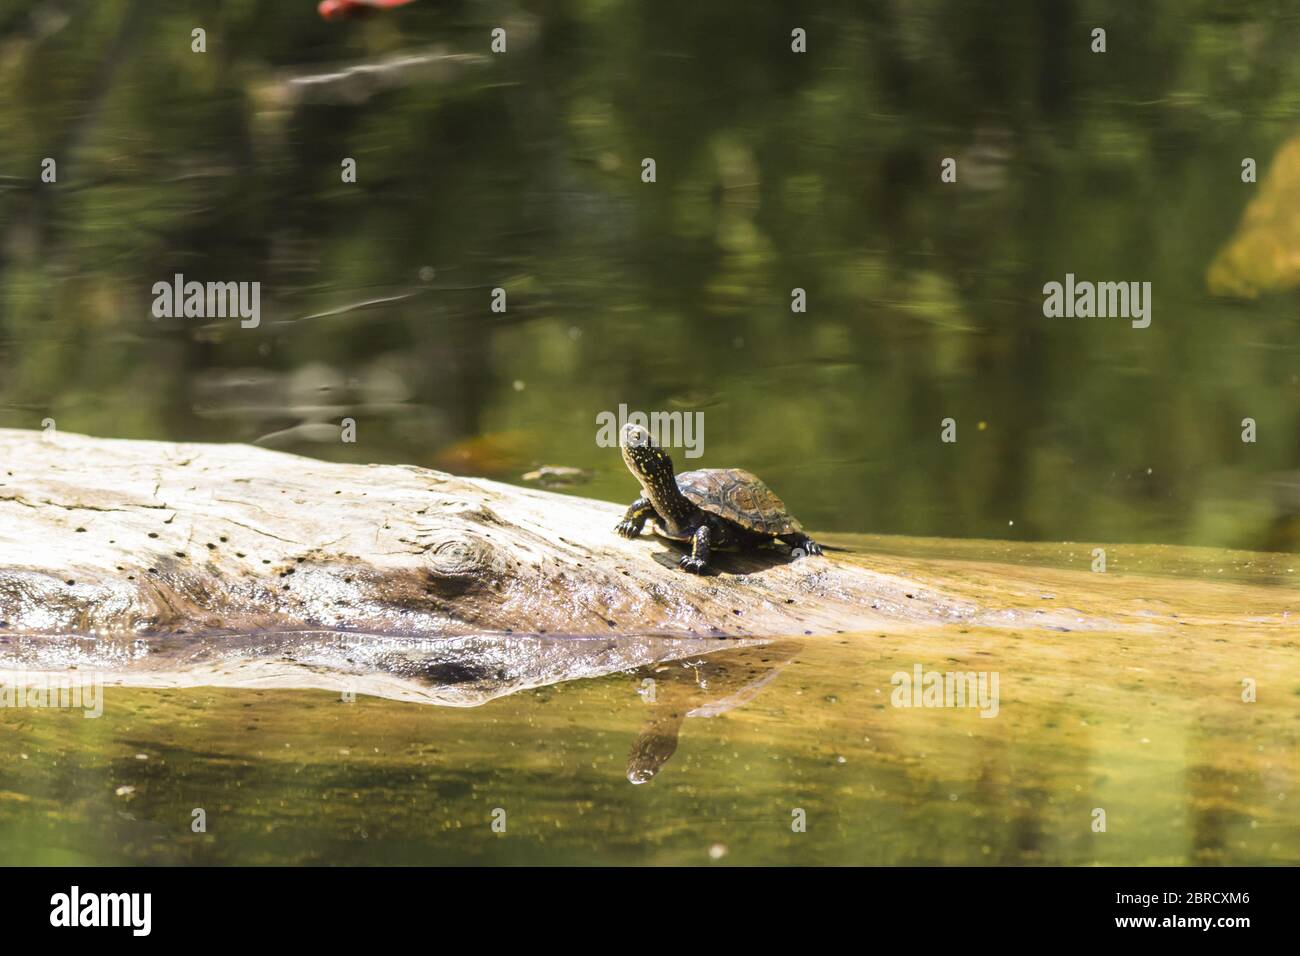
343,9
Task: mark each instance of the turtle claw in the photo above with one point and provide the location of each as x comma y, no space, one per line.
692,564
628,529
802,549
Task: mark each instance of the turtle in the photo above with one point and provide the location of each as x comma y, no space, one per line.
715,509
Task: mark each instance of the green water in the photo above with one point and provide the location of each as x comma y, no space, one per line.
790,752
300,777
774,171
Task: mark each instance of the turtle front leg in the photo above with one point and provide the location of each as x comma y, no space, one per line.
701,550
634,520
801,544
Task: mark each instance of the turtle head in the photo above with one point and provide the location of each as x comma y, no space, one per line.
646,460
652,467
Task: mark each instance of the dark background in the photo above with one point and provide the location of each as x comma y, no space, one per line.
775,170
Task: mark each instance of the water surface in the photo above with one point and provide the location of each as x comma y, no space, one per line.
776,171
1146,723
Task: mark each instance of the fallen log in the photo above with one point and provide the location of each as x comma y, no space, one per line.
181,564
108,536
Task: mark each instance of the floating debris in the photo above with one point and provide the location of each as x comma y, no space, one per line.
551,476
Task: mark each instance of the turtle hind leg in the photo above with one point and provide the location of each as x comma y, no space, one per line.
638,512
801,545
701,550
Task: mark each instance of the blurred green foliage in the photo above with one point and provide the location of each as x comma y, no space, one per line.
775,171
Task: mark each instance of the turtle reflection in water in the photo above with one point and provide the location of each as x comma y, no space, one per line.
715,509
698,687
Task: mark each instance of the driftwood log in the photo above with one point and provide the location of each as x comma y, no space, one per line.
162,563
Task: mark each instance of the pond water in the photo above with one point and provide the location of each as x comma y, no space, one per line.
738,748
774,172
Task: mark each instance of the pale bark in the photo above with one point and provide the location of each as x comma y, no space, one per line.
116,536
166,563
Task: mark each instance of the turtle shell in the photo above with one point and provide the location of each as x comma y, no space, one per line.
740,497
